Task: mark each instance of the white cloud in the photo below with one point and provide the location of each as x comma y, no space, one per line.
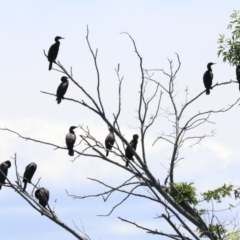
223,152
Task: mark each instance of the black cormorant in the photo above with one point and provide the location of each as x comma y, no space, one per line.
42,194
53,52
62,88
4,171
238,75
128,151
28,174
208,77
109,141
70,140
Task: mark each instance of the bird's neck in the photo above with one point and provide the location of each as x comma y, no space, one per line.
71,131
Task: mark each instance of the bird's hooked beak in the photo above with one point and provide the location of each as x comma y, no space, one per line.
62,38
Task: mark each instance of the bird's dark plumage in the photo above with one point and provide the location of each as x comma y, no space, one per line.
28,174
128,151
42,194
109,141
53,52
207,78
70,140
62,88
238,75
4,171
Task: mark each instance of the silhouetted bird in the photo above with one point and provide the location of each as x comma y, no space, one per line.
109,141
42,194
62,88
53,52
4,171
128,151
207,78
28,174
238,75
70,140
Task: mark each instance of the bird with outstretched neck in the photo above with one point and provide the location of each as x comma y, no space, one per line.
133,144
208,77
42,194
53,51
238,75
109,141
4,172
70,140
28,174
62,88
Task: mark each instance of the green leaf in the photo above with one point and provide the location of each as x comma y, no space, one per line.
183,193
230,47
218,193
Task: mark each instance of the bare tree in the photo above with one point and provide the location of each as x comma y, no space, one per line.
46,211
180,207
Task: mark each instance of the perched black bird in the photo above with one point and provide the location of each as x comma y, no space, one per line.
53,52
62,88
28,174
4,171
208,77
42,194
133,144
70,140
109,141
238,75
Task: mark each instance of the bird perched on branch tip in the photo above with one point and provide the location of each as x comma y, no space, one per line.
109,141
70,140
53,51
28,174
208,77
238,75
42,194
4,171
133,144
62,89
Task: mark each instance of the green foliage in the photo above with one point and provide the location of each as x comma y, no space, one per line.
218,229
202,211
183,192
218,193
233,236
229,48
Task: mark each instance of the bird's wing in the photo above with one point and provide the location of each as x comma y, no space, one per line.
44,194
59,89
28,166
3,166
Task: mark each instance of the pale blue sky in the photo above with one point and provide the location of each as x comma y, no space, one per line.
160,29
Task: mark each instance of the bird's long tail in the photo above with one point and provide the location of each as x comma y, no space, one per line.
107,152
127,163
0,187
58,99
24,187
50,66
239,86
70,152
207,91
